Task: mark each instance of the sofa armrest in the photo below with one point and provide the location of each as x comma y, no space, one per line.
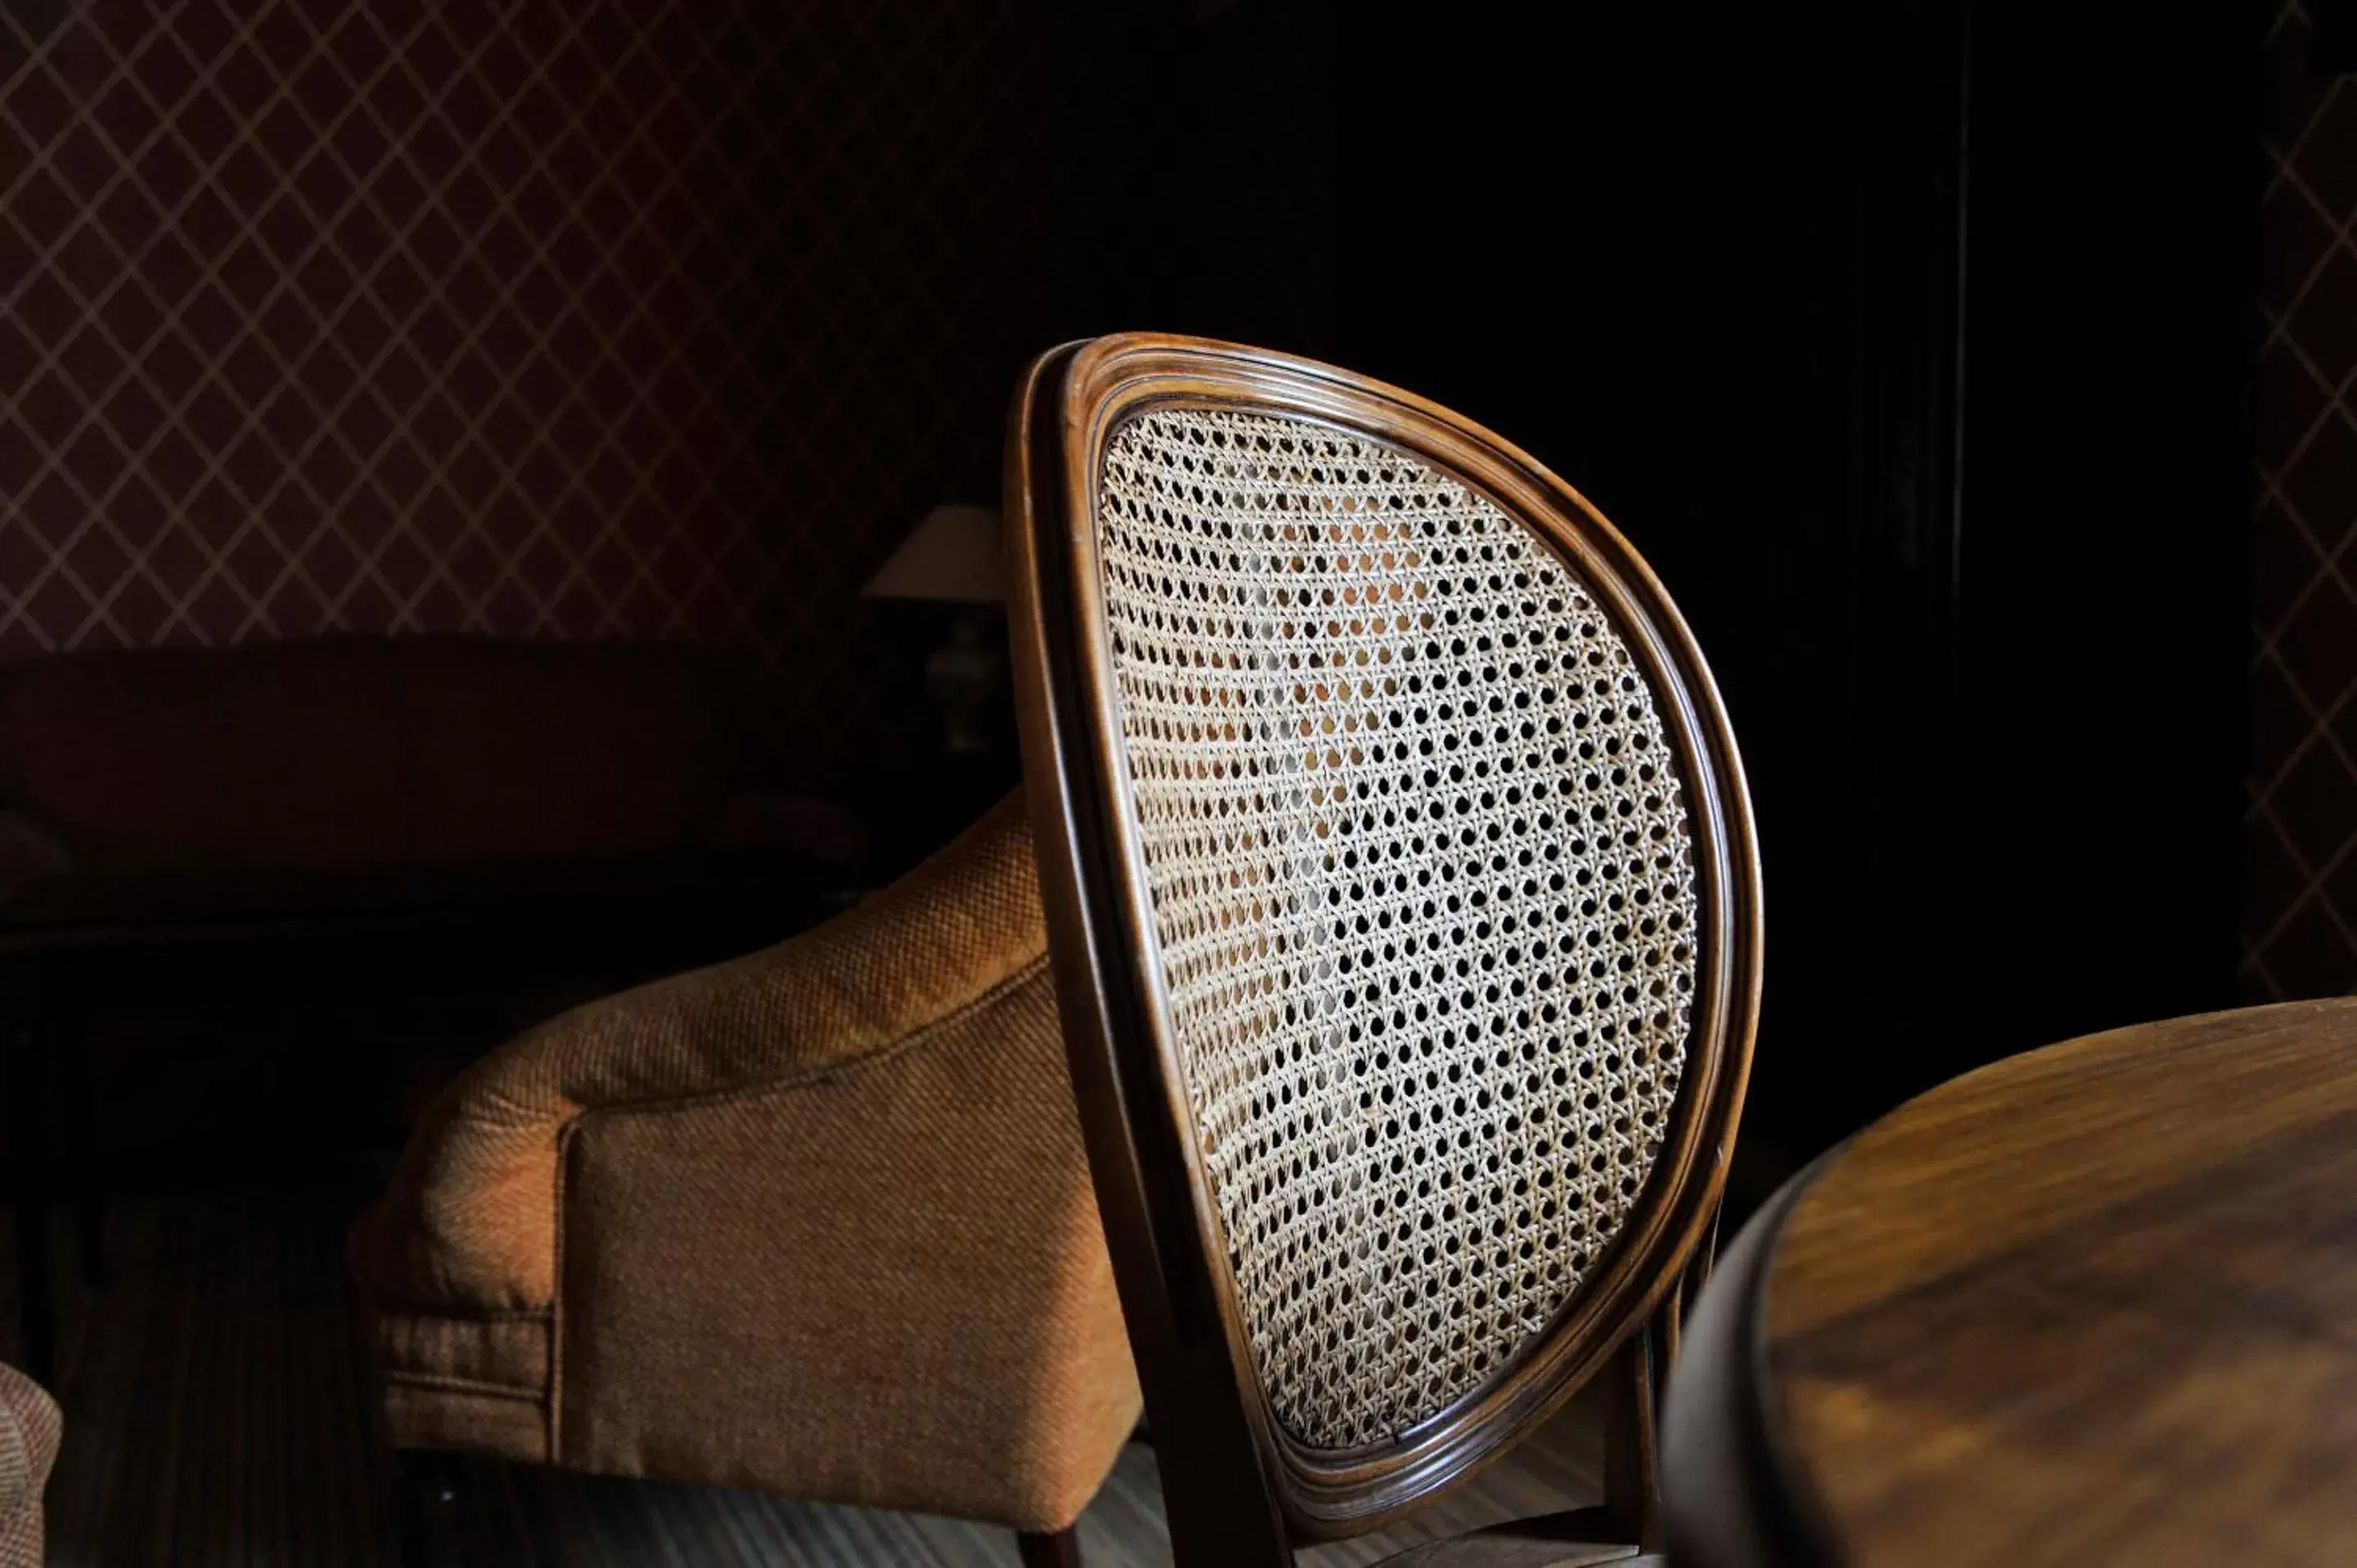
471,1218
818,1222
885,1283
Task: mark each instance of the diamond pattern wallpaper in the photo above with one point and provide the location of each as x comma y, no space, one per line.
2300,916
587,318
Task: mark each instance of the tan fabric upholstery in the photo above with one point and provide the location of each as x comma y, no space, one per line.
30,1429
816,1221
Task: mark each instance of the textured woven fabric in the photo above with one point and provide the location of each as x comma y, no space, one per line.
817,1222
194,1451
30,1430
1423,888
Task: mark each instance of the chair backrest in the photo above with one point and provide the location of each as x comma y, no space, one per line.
1404,906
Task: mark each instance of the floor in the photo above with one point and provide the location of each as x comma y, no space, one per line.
215,1418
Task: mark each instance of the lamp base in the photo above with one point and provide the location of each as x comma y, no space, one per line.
966,679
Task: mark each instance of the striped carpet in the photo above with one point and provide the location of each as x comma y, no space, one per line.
215,1419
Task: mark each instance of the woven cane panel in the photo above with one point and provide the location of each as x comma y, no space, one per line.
1423,889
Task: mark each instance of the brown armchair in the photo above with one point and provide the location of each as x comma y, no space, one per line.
815,1221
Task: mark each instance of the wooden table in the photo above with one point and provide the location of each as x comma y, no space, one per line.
2094,1304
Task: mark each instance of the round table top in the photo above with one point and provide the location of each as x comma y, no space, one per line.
2093,1305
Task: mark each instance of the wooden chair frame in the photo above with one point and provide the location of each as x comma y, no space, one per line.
1240,1489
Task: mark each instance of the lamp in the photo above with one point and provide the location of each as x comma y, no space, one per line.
953,557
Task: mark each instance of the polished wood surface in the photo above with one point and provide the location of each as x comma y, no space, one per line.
1582,1539
2093,1305
1241,1490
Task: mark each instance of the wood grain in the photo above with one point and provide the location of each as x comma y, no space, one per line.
2093,1305
1578,1539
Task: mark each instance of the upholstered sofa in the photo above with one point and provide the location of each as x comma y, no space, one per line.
816,1221
331,871
351,754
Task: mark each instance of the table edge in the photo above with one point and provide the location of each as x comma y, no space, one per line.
1735,1493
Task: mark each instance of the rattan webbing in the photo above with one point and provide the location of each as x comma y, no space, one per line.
1423,888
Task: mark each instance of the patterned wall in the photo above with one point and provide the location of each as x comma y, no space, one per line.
2300,926
577,318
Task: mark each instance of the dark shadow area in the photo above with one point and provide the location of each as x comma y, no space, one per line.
445,453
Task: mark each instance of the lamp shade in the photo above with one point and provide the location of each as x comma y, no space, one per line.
954,554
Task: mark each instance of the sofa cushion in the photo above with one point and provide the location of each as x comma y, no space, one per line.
189,759
516,749
348,752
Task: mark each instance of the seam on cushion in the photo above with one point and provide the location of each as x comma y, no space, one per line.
463,1385
917,1039
388,1306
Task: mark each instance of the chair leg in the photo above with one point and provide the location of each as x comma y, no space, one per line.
426,1500
1632,1488
1062,1549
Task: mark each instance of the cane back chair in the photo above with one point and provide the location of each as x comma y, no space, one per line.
1404,913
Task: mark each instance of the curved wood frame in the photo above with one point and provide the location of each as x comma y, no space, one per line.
1740,1501
1224,1453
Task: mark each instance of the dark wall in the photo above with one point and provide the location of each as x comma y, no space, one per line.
608,320
2299,929
1943,458
2111,267
591,320
1642,264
